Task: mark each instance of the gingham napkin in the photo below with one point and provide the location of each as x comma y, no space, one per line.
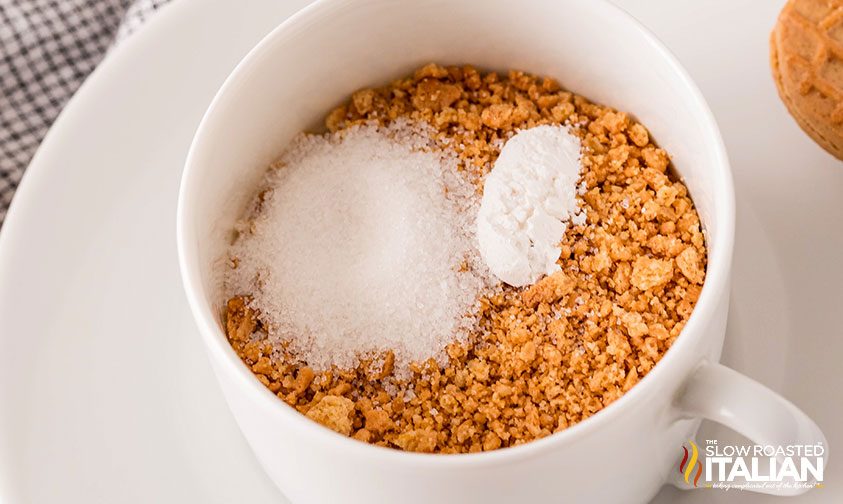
47,48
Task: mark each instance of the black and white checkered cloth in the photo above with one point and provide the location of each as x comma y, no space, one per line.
47,48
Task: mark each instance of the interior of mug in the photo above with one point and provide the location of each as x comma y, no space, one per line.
318,58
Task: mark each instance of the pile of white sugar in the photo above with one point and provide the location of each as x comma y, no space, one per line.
364,243
528,199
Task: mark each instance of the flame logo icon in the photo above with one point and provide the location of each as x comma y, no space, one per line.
686,470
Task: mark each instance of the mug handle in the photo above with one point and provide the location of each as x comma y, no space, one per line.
721,394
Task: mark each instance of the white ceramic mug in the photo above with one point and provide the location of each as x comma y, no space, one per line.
313,62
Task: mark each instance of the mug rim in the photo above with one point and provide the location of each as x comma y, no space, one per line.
220,351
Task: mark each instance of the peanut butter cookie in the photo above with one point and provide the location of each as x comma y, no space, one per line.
806,55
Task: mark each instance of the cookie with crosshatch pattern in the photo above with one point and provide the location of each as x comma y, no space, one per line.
806,55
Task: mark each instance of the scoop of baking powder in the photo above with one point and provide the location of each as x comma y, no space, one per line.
528,199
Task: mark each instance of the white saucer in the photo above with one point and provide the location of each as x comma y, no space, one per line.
105,391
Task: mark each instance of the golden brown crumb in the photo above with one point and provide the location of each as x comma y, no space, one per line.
648,273
688,262
549,289
435,95
363,101
544,357
333,412
420,440
239,325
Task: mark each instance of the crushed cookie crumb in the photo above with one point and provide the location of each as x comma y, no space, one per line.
549,289
545,357
334,413
648,273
